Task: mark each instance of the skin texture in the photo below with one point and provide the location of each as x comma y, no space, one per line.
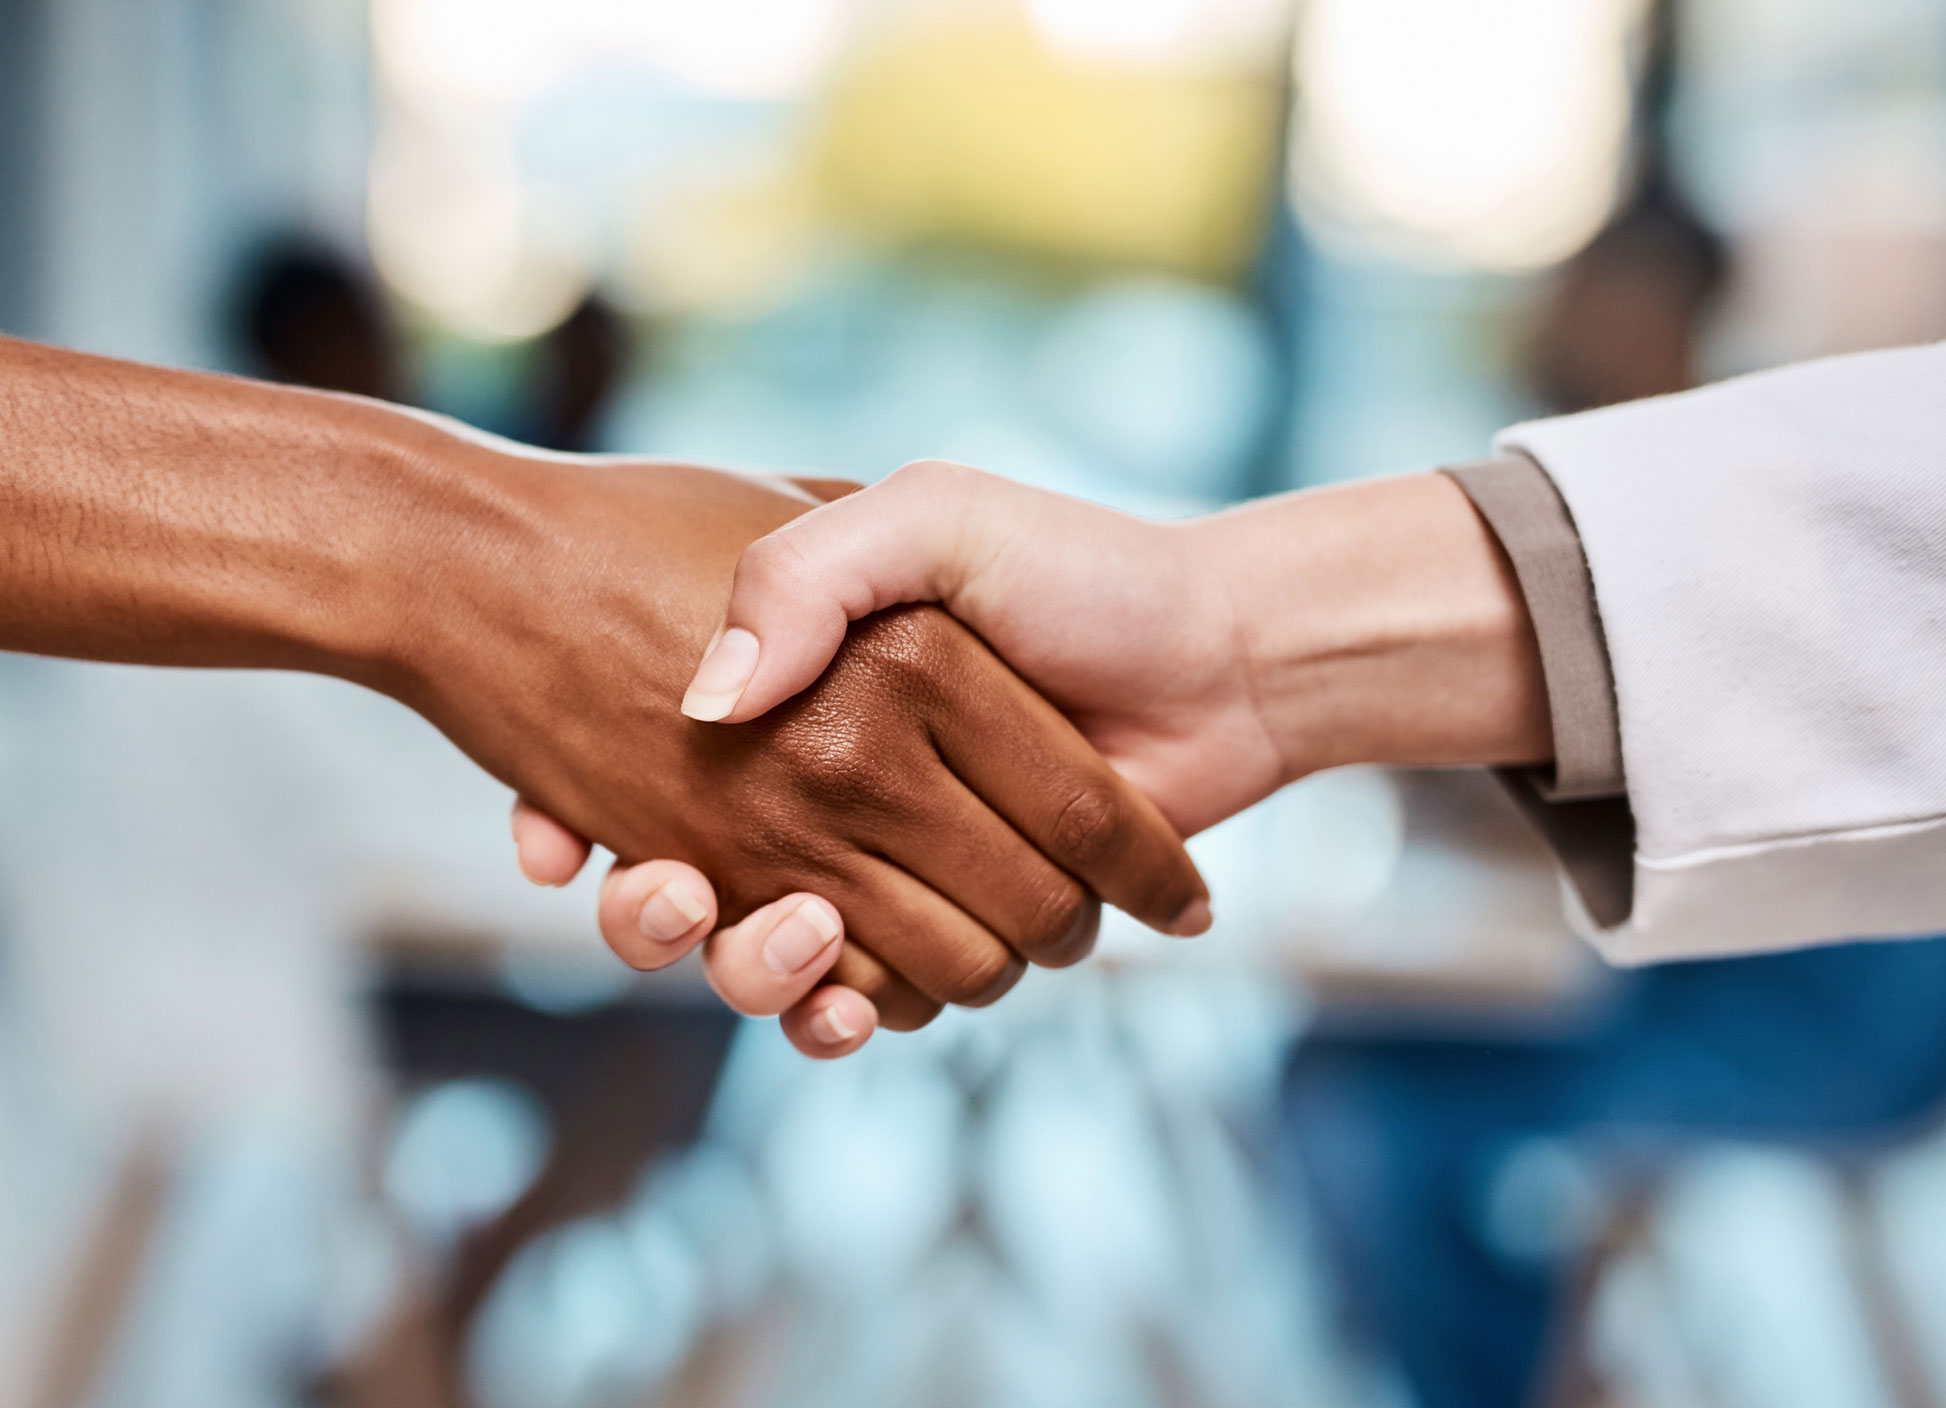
545,613
1211,662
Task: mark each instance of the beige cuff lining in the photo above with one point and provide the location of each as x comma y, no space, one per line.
1524,509
1580,806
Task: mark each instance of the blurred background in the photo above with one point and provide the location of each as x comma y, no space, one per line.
305,1099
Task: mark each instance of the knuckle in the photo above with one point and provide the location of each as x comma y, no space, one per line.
927,475
1062,929
909,656
932,484
838,764
1051,915
904,641
983,977
772,564
1089,826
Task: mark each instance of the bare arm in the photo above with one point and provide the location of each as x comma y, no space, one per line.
162,517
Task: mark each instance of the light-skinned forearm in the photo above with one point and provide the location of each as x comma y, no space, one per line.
1380,623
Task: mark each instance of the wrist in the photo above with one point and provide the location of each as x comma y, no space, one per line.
1381,623
520,559
447,528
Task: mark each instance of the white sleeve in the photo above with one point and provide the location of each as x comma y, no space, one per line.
1769,563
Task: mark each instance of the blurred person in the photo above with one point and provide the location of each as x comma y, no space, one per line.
578,368
541,610
1622,318
305,315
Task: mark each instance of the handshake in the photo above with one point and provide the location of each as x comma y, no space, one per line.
944,718
876,751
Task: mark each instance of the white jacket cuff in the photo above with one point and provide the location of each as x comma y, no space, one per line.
1769,562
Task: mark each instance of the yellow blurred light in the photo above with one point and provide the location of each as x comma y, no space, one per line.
1492,131
460,231
722,241
978,132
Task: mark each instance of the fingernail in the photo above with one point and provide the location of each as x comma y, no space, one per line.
799,937
1194,919
722,677
831,1029
669,912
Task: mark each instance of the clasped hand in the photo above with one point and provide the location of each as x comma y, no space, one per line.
1206,663
954,819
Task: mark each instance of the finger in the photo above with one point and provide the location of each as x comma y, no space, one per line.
549,853
831,1022
775,957
907,538
972,857
934,945
654,913
1027,762
900,1006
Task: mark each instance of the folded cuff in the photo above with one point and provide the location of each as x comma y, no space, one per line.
1521,505
1580,804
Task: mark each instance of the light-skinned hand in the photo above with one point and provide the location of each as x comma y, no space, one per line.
1210,661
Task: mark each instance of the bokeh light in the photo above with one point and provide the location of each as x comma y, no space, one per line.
482,212
1168,33
502,52
1490,133
463,1151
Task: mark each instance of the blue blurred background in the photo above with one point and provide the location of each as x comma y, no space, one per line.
306,1099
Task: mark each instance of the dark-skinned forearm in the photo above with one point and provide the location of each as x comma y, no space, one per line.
177,518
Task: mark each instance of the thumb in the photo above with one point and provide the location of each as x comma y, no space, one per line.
909,537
